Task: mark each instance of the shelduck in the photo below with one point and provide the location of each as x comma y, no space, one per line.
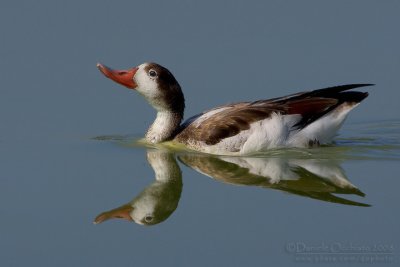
299,120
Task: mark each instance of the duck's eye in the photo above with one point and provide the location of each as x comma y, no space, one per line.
152,73
148,218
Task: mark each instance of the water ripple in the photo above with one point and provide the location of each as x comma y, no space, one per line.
359,141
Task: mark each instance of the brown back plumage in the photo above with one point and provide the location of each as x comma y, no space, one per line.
238,117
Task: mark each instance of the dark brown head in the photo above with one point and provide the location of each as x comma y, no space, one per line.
154,82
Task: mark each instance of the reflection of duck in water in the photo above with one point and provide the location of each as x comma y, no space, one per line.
318,179
158,200
298,120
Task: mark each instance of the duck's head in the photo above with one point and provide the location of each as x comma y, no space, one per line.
156,83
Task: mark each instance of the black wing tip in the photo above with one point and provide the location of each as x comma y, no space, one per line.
352,96
334,90
345,87
356,85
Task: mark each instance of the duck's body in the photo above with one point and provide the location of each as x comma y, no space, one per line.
299,120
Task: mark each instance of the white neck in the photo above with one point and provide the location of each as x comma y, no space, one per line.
164,126
164,166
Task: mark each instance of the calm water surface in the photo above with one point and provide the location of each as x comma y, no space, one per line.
69,154
334,203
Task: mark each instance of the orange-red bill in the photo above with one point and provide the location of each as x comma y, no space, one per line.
124,77
122,212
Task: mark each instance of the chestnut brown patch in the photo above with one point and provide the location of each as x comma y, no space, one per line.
238,117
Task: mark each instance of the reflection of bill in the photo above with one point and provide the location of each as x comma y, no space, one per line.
158,200
318,179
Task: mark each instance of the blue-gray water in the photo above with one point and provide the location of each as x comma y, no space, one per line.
68,148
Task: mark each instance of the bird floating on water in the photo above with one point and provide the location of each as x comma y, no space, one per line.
299,120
